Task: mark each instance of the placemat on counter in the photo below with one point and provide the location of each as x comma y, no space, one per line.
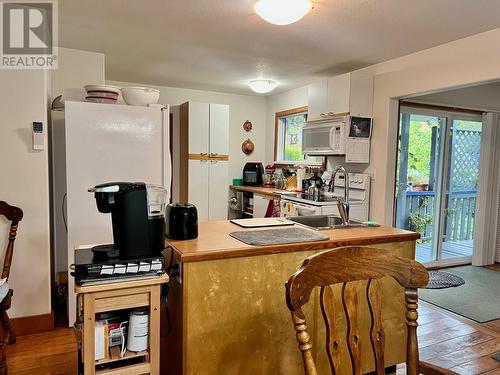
277,236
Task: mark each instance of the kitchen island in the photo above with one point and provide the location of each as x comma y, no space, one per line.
227,310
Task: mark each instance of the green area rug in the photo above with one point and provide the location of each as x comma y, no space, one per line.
478,299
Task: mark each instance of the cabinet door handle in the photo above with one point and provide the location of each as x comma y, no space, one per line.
322,114
203,161
331,113
203,153
214,154
213,161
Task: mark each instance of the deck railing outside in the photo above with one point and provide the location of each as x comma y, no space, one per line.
459,220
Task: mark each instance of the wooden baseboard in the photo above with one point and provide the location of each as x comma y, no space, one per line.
28,325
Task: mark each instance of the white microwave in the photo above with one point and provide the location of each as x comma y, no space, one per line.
325,138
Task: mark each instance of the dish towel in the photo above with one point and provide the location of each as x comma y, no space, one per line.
4,288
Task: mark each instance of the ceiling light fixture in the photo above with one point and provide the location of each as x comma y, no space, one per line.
262,86
282,12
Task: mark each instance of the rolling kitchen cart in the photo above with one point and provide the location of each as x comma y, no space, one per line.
121,295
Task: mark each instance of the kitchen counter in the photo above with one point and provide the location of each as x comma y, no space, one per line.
214,241
259,190
227,311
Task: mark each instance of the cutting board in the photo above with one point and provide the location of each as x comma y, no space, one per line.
261,222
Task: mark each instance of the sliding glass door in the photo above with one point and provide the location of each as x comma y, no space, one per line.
436,182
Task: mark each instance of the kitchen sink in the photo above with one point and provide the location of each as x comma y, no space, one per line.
322,222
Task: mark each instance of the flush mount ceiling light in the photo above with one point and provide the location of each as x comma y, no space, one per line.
282,12
262,86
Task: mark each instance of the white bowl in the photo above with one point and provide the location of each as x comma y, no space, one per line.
140,95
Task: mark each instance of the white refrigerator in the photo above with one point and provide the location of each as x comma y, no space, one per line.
95,143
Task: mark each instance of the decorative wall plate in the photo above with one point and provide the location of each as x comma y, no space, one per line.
247,125
247,147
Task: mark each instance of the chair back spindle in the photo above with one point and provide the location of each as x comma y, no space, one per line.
349,266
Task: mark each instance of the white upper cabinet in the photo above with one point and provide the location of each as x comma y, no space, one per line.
339,88
346,93
199,127
361,94
219,129
317,98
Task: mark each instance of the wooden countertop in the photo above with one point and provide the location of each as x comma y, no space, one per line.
259,190
214,241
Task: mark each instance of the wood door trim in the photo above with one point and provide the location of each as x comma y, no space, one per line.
443,108
277,115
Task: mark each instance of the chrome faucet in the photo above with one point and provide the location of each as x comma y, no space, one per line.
342,204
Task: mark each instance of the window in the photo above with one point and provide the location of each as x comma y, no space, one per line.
288,135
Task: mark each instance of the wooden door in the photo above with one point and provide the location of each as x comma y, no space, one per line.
219,129
198,128
198,187
218,190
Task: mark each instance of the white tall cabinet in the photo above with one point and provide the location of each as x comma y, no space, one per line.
204,154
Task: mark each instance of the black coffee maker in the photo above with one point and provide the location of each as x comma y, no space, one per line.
138,216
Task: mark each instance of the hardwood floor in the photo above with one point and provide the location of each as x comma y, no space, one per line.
445,339
52,352
457,343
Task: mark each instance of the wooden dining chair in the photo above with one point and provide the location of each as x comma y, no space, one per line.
14,215
344,266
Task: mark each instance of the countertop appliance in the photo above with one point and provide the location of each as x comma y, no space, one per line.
92,143
182,221
138,219
252,174
343,135
359,193
325,137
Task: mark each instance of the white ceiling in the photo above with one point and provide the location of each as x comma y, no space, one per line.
222,44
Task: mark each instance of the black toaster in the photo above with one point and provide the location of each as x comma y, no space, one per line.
181,221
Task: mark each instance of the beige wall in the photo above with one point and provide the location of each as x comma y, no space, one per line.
25,183
242,108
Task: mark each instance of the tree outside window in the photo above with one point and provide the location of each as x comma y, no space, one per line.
289,136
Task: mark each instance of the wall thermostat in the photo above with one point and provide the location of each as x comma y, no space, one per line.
38,136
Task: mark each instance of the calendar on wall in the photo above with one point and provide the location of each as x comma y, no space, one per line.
357,148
